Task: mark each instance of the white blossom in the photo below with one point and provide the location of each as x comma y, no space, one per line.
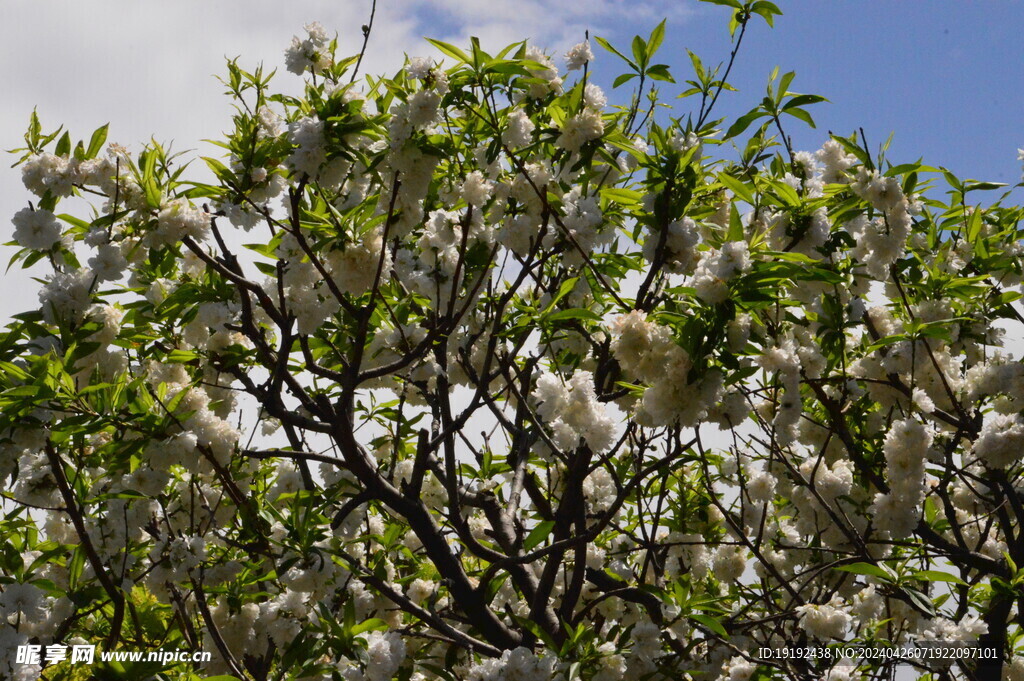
36,229
578,55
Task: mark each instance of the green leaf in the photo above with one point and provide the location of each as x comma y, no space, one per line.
784,83
537,631
937,576
72,220
640,51
538,534
478,55
710,622
563,290
219,169
698,65
575,313
75,565
803,100
868,569
852,148
786,194
802,115
372,624
767,10
660,72
971,186
657,37
63,145
200,191
952,180
627,197
181,356
920,600
608,46
96,141
34,128
905,168
506,67
735,224
149,166
734,22
743,122
153,196
974,225
739,189
886,340
450,50
624,78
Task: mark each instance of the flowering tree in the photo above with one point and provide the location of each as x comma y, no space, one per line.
464,374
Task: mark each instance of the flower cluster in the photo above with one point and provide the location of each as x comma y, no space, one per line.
573,412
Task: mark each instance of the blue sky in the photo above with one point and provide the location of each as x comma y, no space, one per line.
945,76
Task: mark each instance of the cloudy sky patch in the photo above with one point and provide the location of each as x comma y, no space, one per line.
943,75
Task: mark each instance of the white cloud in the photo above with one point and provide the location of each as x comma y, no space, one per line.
148,68
552,25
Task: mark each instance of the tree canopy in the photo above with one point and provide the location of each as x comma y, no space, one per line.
468,373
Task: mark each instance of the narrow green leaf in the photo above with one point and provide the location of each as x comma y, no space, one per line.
219,169
920,600
735,224
937,576
567,286
640,51
537,631
660,72
72,220
153,196
854,149
766,6
180,356
96,141
63,145
538,534
982,186
787,80
867,569
952,180
739,189
450,50
698,65
624,78
608,46
766,10
657,37
905,168
149,166
743,122
627,197
974,224
802,115
709,622
786,194
575,313
803,100
372,624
